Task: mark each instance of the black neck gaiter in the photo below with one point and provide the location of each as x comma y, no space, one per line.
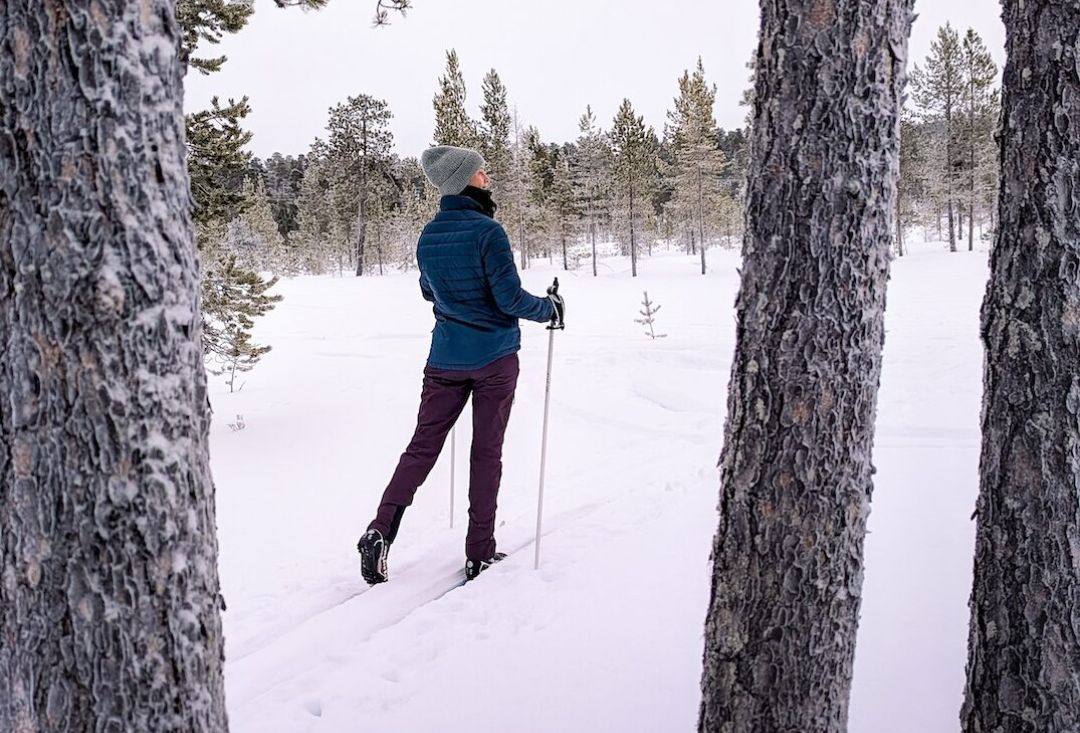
483,198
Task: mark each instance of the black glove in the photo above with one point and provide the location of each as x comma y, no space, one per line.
559,319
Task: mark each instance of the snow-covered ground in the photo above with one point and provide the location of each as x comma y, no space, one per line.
606,636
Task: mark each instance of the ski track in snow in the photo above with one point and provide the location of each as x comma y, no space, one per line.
418,590
607,634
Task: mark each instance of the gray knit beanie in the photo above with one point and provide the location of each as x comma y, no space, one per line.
450,168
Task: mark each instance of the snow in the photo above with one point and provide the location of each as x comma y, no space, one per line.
607,635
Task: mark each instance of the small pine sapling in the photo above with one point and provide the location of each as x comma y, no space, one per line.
648,316
232,299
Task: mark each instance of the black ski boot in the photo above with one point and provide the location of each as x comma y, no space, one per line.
373,550
475,567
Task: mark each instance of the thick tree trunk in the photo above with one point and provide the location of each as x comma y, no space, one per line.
795,469
109,594
1024,644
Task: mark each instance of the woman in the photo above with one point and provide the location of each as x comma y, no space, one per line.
467,271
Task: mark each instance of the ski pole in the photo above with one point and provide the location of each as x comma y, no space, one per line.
453,472
552,328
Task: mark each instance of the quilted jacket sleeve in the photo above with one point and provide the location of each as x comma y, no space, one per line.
502,278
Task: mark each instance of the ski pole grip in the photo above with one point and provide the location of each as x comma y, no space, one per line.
556,324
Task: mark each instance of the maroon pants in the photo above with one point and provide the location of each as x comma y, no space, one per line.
444,396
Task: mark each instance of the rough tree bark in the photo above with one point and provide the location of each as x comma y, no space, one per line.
1024,646
796,464
109,594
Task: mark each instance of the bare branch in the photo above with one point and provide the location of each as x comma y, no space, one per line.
383,8
305,4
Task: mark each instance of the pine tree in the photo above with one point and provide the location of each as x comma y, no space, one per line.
253,236
384,203
540,174
795,470
987,178
909,186
517,188
648,312
590,177
312,248
748,95
661,221
453,126
109,603
938,91
634,151
217,160
981,106
419,202
208,21
358,149
1023,671
699,165
231,287
284,175
563,207
735,145
234,297
495,131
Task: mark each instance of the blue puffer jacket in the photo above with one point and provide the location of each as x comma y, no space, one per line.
467,270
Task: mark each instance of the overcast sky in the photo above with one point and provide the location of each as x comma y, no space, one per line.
554,56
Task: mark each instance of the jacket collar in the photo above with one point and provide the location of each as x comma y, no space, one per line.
458,202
